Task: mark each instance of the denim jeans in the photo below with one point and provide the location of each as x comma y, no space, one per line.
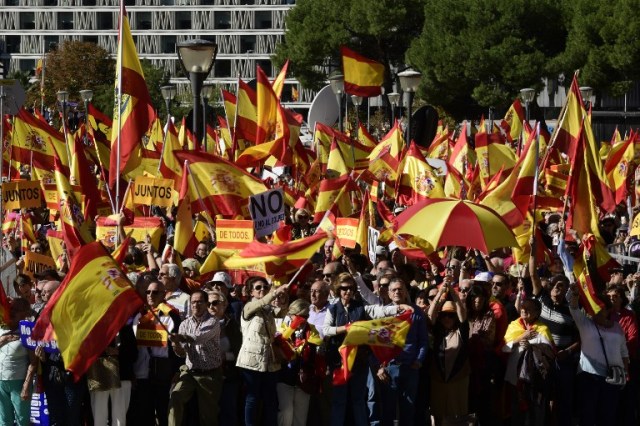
401,391
353,394
260,386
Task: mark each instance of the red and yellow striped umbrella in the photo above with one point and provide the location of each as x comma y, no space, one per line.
452,222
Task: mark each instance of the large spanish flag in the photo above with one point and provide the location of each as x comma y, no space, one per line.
224,187
278,259
385,337
417,180
362,76
88,309
136,112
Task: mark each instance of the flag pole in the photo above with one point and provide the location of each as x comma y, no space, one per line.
119,70
535,186
44,59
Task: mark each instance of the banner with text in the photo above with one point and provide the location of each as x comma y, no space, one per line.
21,194
234,234
35,263
139,229
153,191
347,231
372,243
267,210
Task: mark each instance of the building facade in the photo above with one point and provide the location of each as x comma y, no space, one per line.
246,32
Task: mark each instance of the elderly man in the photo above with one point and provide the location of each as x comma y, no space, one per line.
170,277
319,295
198,341
399,378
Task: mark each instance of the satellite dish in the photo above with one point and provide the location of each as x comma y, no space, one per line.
324,109
14,96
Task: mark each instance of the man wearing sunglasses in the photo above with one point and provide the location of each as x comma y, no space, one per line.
157,363
199,342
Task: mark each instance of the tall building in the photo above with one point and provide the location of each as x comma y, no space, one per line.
246,32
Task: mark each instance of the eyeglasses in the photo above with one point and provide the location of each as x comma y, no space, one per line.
153,292
198,302
465,289
162,274
215,303
346,288
261,287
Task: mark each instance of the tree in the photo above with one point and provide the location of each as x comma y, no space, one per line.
380,30
604,43
75,66
481,53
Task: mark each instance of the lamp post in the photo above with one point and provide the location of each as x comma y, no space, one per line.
168,93
337,86
409,82
394,100
86,96
197,57
586,92
357,101
207,93
63,98
527,94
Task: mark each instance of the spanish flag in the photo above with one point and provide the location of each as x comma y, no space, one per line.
590,283
385,337
185,241
362,76
169,166
136,112
279,260
266,109
278,83
246,121
417,180
511,124
229,104
88,309
224,187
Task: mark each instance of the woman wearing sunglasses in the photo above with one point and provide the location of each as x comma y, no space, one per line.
348,309
257,359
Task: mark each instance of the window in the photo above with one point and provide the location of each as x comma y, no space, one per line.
263,20
27,21
65,20
105,21
143,20
247,43
90,39
183,20
168,44
222,68
265,64
13,44
222,20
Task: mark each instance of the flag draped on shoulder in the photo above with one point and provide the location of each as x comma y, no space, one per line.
136,112
362,76
88,309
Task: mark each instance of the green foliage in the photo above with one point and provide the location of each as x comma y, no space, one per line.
380,30
482,53
604,43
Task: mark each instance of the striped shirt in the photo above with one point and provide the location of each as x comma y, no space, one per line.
557,317
204,352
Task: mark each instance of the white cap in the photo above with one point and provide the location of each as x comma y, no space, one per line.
222,277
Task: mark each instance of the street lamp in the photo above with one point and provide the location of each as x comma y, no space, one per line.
337,87
207,93
409,82
63,98
197,57
527,94
86,96
168,93
586,92
394,100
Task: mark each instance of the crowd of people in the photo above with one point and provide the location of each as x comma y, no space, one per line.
490,342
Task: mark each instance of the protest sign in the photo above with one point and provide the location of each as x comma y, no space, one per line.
21,194
267,210
139,229
35,263
234,234
153,191
347,231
